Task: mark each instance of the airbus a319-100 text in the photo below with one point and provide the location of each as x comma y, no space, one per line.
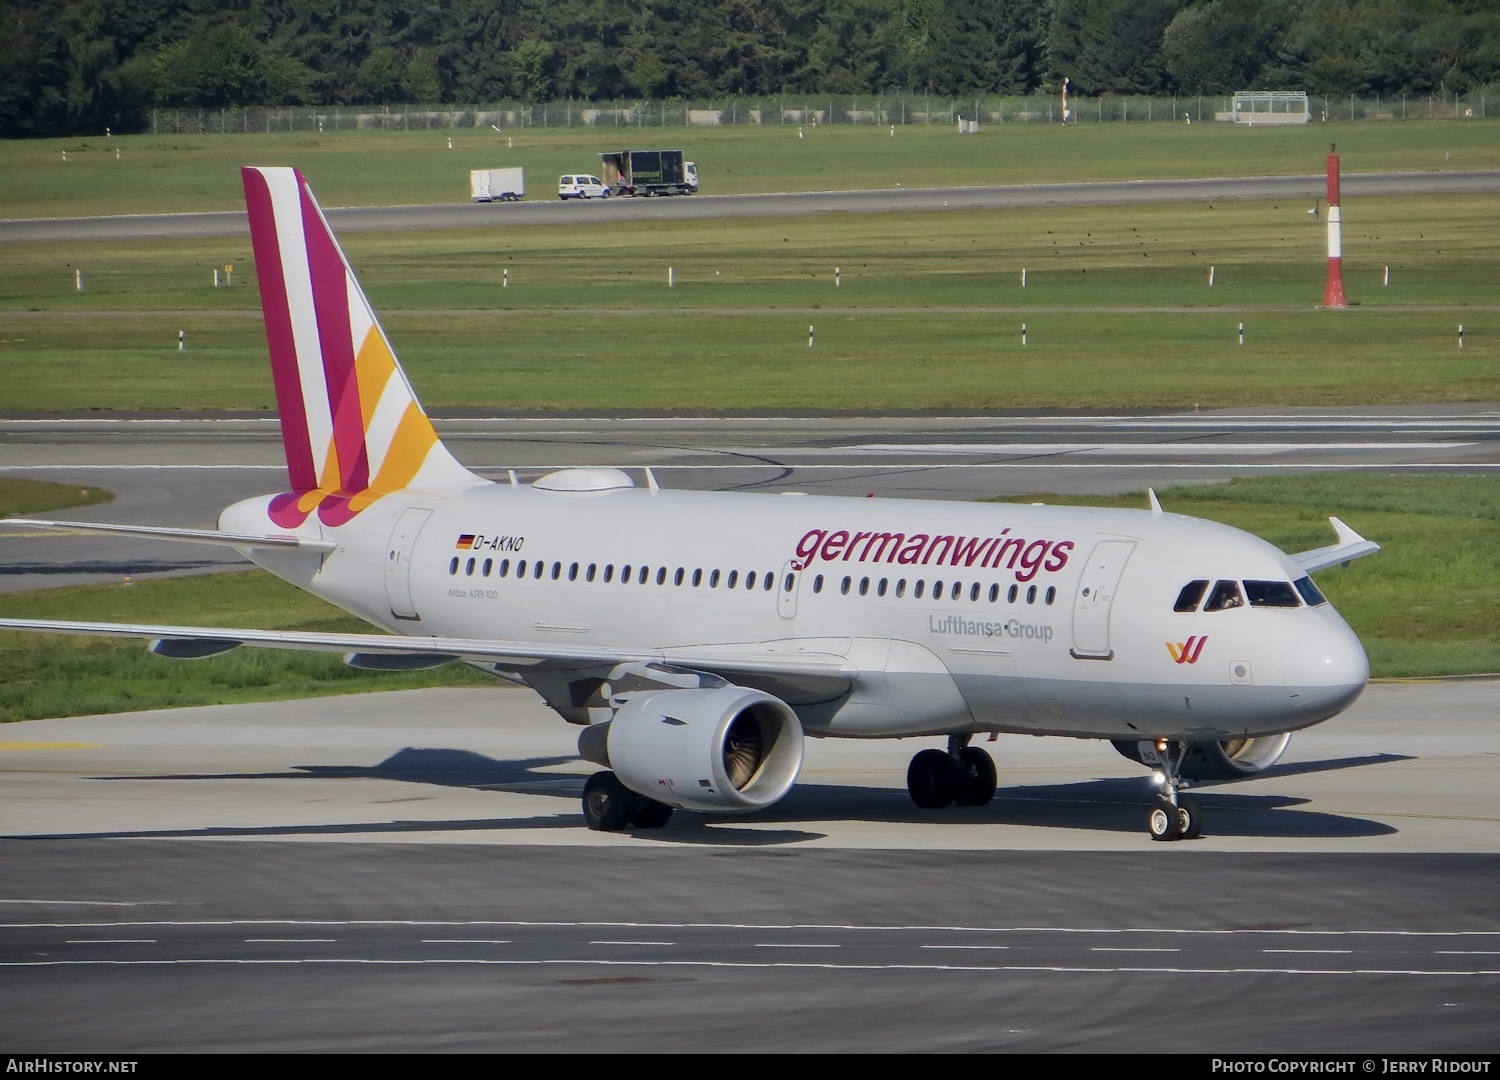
699,637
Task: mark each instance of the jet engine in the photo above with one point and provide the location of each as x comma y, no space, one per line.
723,750
1232,759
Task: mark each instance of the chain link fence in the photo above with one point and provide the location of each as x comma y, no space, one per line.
874,111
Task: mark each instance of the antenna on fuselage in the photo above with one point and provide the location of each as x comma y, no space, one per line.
1155,503
651,480
514,481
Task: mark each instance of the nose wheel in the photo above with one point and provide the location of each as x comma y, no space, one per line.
962,774
1174,816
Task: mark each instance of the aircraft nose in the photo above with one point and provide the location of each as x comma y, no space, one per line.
1332,666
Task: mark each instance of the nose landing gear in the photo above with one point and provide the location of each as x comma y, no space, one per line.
962,774
1174,816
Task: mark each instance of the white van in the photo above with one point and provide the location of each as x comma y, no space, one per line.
581,187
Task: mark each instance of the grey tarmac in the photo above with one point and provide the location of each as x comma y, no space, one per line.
542,212
410,871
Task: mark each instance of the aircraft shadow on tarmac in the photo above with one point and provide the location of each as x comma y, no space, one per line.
1101,804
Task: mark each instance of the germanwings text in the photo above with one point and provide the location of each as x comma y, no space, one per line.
1025,557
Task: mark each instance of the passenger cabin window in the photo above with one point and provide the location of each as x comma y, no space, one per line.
1226,595
1271,594
504,567
817,584
1309,591
1191,595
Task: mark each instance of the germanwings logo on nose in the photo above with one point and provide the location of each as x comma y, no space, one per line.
1187,652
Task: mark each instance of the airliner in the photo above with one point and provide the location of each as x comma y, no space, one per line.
698,638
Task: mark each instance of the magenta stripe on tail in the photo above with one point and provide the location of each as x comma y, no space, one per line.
301,472
331,302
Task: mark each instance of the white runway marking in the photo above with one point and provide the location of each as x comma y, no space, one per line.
855,927
288,940
848,466
1055,969
465,941
111,941
1117,449
662,943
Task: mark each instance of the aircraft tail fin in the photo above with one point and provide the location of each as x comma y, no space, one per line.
351,426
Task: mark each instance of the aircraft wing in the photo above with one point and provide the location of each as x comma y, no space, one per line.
829,671
191,536
1350,546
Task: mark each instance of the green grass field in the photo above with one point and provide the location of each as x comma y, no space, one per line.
176,173
928,313
19,497
1426,605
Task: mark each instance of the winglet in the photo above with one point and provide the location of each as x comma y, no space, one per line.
1155,503
1351,546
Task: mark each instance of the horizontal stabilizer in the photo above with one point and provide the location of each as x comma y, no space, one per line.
1350,546
190,536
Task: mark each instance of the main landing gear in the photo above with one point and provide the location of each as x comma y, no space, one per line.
609,806
1174,816
962,774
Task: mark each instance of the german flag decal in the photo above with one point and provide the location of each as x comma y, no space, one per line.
465,542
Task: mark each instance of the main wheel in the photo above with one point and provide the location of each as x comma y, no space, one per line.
976,780
1164,822
931,779
608,805
651,815
1189,817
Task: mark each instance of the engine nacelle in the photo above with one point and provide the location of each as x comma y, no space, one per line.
724,750
1232,759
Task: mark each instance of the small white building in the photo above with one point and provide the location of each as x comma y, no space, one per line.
1269,107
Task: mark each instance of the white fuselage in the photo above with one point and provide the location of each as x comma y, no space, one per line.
959,617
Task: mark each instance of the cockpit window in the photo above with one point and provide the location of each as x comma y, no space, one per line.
1271,594
1226,595
1191,594
1310,593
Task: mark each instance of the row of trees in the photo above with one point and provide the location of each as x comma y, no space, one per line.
81,65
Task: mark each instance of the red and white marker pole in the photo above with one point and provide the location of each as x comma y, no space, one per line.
1333,295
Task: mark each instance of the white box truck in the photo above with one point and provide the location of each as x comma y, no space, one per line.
497,185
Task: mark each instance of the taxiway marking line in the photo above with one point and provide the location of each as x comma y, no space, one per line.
1117,448
288,940
625,925
852,466
663,943
765,965
111,941
465,941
